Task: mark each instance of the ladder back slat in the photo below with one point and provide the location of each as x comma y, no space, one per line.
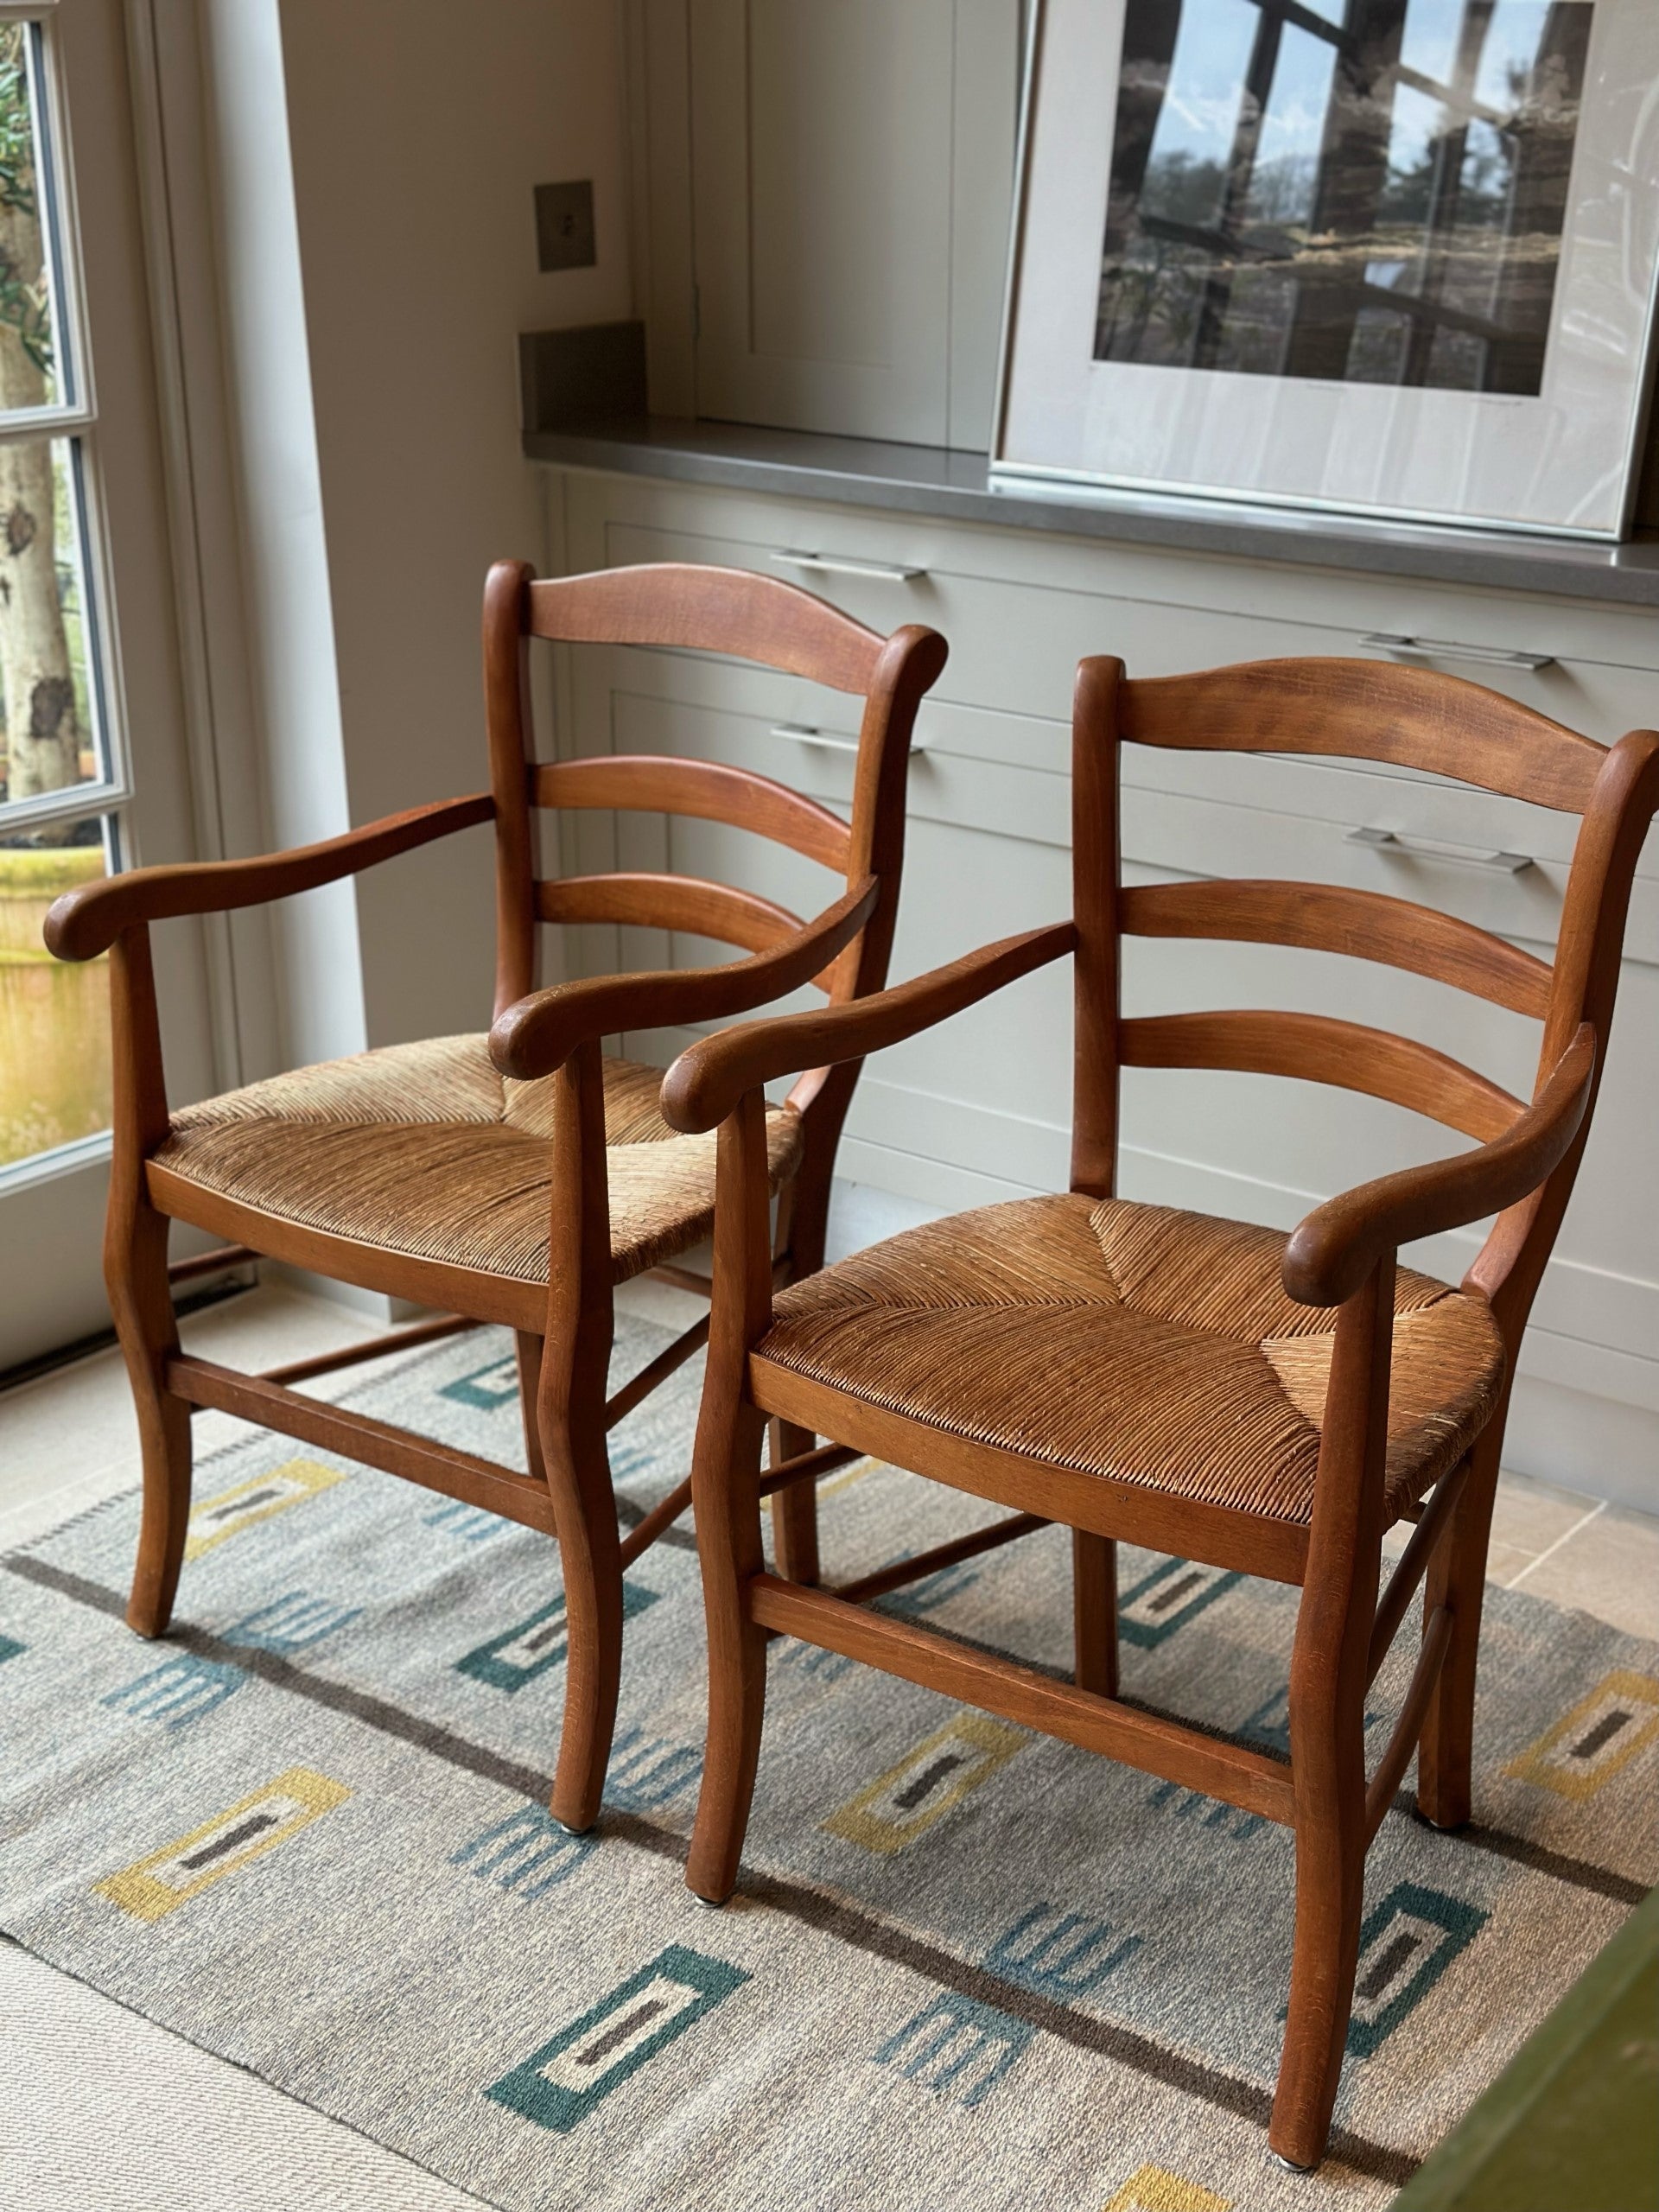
650,783
688,903
709,610
1365,924
1320,1049
1369,710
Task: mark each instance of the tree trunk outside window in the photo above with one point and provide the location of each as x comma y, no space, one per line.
43,733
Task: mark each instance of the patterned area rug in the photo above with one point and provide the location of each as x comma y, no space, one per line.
967,1967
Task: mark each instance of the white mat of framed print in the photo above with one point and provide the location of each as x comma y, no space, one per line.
1394,256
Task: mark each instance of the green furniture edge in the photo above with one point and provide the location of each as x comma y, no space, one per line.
1572,2124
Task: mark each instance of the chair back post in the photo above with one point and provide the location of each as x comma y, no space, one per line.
1589,952
1096,875
909,666
507,722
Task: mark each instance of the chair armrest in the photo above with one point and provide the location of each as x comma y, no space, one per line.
84,923
706,1082
539,1033
1331,1252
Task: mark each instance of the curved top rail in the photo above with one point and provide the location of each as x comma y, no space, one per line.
1368,710
711,610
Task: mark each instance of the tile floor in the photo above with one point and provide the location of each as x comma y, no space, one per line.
104,2110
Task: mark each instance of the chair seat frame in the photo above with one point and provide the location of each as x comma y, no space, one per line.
1342,1256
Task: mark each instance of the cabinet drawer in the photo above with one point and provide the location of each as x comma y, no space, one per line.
1193,836
1014,645
1006,776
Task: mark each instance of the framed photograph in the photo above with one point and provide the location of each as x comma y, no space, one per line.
1393,257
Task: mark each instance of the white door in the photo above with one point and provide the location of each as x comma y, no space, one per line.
850,165
93,766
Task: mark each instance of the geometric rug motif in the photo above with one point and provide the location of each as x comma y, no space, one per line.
966,1965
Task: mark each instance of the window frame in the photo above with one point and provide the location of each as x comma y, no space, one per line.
71,423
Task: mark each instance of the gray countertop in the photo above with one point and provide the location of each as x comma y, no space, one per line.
956,485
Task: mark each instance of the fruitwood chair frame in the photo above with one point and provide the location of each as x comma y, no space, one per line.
563,1329
1342,1256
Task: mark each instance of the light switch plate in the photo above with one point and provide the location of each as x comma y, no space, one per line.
564,225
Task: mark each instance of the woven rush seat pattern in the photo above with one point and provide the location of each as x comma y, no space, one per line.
1154,1347
425,1149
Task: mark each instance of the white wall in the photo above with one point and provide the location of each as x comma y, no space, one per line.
417,133
285,613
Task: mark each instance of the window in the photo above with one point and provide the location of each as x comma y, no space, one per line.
62,785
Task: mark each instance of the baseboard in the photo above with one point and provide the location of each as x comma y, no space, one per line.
1581,1442
373,1305
861,1214
185,1301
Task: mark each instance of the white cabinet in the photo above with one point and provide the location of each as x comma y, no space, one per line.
846,169
816,310
980,1108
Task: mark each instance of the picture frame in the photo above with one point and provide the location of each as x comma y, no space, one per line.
1394,259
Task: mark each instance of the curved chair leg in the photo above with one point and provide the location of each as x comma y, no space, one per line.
1328,1679
725,1496
1329,1887
1457,1579
795,1511
572,1369
584,1513
725,1478
135,1273
571,1384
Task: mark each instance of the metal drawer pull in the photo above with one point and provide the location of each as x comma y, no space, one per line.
832,564
1390,840
1446,649
806,734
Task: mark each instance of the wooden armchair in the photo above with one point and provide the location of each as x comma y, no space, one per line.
517,1177
1199,1386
